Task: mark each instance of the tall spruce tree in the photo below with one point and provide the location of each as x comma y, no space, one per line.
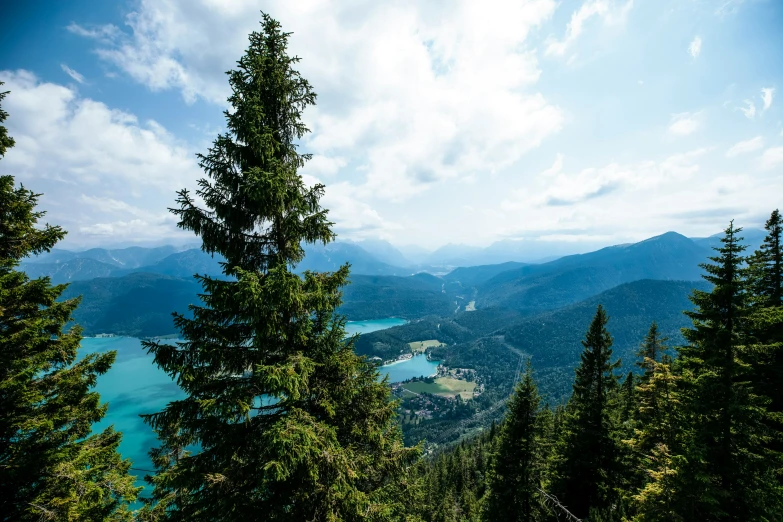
515,480
652,351
628,400
281,419
587,457
766,265
765,282
627,473
51,467
765,328
656,398
655,432
724,474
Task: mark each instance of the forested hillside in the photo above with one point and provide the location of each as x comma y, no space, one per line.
693,435
494,342
472,276
141,304
552,339
79,269
137,305
535,288
371,297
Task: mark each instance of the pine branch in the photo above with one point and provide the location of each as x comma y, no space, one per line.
551,501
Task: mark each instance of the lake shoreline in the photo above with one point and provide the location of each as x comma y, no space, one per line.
134,385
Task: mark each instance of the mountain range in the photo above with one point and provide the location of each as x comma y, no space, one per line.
368,257
133,291
546,286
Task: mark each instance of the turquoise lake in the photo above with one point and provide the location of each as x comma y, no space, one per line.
134,385
419,366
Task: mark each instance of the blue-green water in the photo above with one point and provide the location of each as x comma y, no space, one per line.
135,386
354,327
418,366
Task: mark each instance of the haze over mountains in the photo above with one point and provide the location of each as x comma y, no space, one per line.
133,291
368,257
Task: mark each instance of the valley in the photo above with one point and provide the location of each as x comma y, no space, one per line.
391,261
482,319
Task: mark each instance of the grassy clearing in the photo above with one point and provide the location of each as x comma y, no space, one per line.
420,346
457,386
407,394
425,387
443,386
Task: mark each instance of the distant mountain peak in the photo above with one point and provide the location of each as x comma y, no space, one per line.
667,236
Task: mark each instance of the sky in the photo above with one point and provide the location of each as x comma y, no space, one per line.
580,121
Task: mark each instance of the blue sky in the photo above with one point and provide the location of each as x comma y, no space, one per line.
590,122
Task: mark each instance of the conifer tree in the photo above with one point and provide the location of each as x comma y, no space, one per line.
281,419
6,141
765,330
656,423
628,400
652,351
724,474
655,395
515,480
766,265
627,476
51,467
765,281
587,456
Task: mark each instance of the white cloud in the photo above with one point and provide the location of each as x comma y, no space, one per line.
749,110
729,7
104,33
555,169
589,9
134,229
565,190
521,196
320,165
772,157
678,192
694,49
354,218
403,88
743,147
89,160
417,96
137,223
684,123
72,73
106,177
108,205
767,94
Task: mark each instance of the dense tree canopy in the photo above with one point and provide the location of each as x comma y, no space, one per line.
695,435
589,444
518,465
